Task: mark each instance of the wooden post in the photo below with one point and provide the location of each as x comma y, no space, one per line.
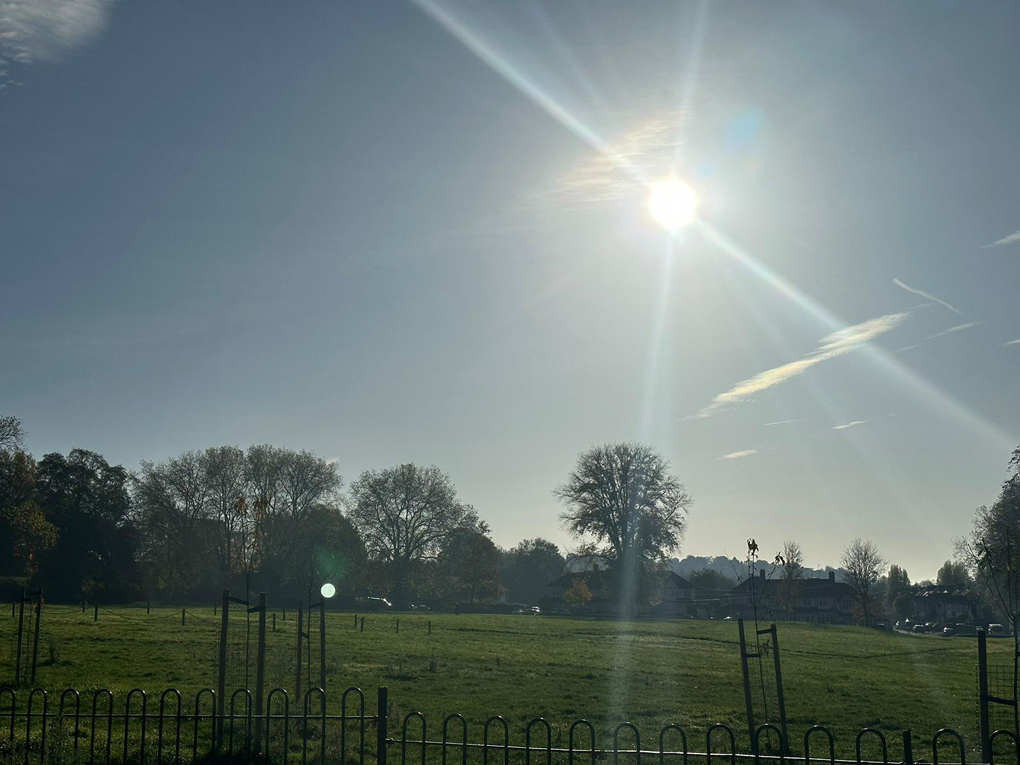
362,623
182,617
95,613
355,618
747,687
82,608
398,625
260,671
785,746
322,645
430,626
274,621
285,613
985,728
300,635
35,646
221,685
21,629
148,605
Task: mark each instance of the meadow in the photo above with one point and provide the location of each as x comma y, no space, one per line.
650,672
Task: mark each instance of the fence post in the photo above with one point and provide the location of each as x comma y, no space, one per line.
82,608
148,605
21,629
260,672
430,626
221,685
322,647
182,617
779,690
95,613
398,625
362,623
986,744
747,687
908,748
355,619
274,621
35,644
300,631
382,710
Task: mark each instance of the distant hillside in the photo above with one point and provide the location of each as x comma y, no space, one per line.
735,568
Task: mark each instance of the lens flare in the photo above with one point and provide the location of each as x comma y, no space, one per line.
327,590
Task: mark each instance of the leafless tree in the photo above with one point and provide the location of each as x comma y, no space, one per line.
305,482
404,513
12,436
791,576
862,568
225,474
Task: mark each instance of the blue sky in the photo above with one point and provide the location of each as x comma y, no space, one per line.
420,232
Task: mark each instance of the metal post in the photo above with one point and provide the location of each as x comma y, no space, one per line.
260,671
300,634
747,687
779,690
986,743
382,710
322,644
221,685
908,748
21,628
35,645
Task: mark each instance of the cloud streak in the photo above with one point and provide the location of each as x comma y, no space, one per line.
853,424
44,31
1012,342
943,333
926,295
783,422
738,455
1013,238
831,346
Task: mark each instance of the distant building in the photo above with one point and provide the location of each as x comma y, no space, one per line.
678,597
943,604
816,601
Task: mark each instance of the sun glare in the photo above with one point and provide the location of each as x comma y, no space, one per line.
673,204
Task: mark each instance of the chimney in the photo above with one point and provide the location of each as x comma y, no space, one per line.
832,577
761,574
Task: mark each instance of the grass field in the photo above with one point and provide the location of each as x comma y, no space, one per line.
649,672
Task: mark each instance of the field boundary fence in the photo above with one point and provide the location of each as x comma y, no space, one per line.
39,727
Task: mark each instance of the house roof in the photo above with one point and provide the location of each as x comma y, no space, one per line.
674,578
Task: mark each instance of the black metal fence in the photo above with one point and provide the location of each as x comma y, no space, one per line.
38,727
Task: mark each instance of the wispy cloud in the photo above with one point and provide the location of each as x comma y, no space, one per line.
853,424
783,422
34,31
943,333
1013,238
831,346
1012,342
925,295
738,455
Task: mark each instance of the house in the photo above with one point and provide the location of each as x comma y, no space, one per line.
555,600
944,604
817,601
677,597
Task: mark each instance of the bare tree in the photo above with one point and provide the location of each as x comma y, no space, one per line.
404,514
862,568
306,482
624,497
225,474
12,436
791,575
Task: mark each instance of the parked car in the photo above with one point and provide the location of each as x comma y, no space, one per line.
379,604
997,630
919,629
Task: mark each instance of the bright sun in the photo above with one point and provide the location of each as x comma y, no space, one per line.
673,204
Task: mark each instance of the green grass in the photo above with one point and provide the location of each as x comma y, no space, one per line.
648,672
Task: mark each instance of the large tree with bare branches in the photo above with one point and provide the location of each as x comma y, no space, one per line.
862,567
404,514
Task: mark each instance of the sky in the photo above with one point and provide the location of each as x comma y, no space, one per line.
420,232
